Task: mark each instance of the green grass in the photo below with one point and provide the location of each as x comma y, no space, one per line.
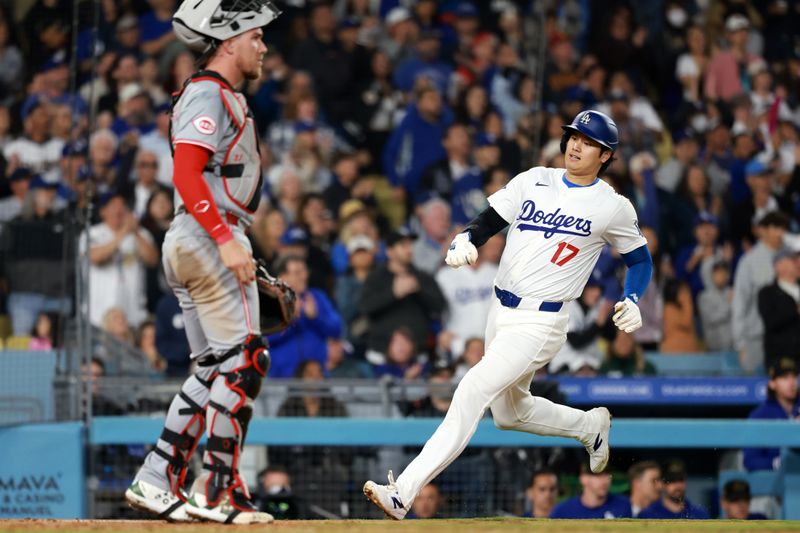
482,525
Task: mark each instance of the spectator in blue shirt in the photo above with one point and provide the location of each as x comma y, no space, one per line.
317,321
735,502
416,143
595,501
645,480
782,403
673,503
156,27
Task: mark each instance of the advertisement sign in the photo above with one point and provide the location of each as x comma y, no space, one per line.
42,472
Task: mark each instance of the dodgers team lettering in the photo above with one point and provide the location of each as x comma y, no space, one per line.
552,223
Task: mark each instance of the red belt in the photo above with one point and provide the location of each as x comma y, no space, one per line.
232,219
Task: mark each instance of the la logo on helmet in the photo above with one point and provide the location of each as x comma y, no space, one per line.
585,119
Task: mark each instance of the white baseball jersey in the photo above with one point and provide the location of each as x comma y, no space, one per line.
557,231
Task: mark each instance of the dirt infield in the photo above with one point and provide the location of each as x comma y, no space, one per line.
488,525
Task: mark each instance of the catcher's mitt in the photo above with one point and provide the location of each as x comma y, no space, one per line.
277,301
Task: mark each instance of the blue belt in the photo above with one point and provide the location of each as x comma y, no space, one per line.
509,299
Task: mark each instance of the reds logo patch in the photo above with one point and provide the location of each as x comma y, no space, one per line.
205,125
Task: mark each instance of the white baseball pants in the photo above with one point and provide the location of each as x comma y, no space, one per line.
518,343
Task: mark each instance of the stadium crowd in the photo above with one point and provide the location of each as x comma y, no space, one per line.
385,124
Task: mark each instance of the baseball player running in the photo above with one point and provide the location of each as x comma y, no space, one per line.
209,265
559,219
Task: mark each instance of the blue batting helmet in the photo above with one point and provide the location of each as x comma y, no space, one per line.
596,125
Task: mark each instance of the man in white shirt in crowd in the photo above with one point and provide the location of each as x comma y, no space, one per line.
468,292
36,150
119,251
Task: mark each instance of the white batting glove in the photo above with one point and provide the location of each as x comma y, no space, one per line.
461,252
627,316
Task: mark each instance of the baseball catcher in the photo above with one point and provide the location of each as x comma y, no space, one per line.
209,265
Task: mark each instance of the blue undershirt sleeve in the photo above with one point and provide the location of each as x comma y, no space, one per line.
640,270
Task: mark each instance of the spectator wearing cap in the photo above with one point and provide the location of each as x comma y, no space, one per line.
467,27
397,294
416,143
329,64
156,27
436,232
715,307
316,321
425,62
783,403
727,76
673,503
135,112
735,501
754,272
401,30
18,182
779,307
354,219
127,35
693,263
301,108
760,200
119,252
588,315
595,500
349,285
685,148
38,272
157,141
468,292
35,149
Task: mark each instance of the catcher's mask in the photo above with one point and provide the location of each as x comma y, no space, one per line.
203,24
